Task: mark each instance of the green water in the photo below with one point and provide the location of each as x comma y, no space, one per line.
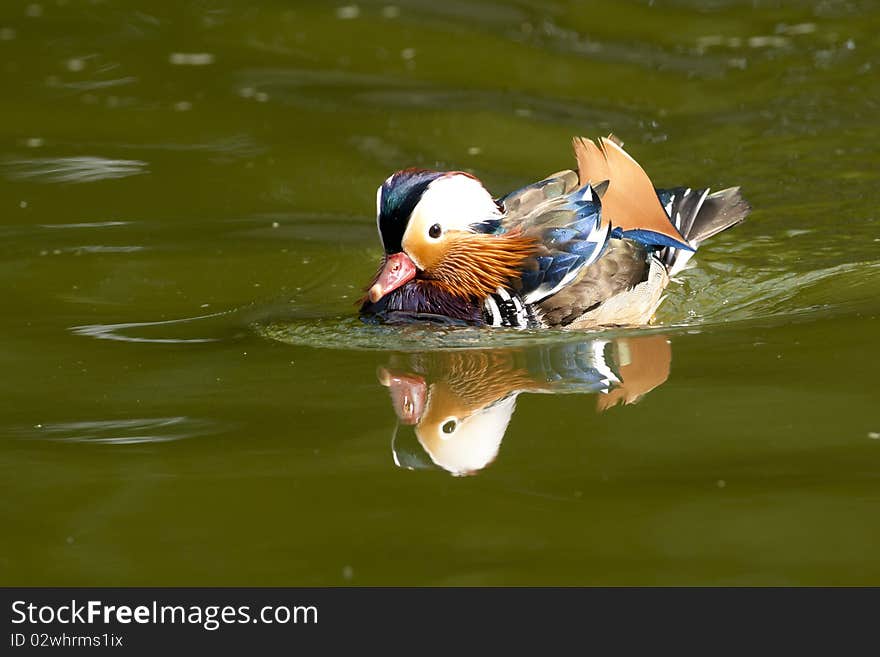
187,194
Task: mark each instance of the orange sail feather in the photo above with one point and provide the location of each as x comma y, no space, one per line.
630,201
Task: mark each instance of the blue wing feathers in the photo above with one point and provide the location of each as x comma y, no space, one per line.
569,227
556,275
572,237
544,262
583,195
560,235
531,279
584,225
650,238
578,367
566,260
582,248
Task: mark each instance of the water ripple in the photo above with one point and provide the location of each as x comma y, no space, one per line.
123,432
323,88
705,299
88,224
117,332
96,248
351,334
92,85
82,169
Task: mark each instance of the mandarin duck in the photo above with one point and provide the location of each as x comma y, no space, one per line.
454,407
580,249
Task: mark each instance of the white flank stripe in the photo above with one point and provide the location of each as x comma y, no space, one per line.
493,308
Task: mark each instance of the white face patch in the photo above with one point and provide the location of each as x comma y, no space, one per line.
474,441
450,203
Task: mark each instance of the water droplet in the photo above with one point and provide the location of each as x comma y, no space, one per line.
768,42
75,64
798,28
191,58
390,11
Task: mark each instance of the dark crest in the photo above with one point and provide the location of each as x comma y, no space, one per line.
399,196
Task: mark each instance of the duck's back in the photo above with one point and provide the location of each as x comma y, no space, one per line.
624,265
625,286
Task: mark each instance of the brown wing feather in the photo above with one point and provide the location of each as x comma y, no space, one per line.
623,266
630,202
519,205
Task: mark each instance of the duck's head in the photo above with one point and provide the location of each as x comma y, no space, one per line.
444,227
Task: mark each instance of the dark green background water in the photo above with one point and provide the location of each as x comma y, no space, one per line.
187,193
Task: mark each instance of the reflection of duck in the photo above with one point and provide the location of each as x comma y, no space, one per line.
458,404
579,249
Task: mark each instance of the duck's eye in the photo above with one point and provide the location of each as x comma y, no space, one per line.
449,426
434,232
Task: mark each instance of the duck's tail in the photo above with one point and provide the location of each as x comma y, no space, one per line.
699,215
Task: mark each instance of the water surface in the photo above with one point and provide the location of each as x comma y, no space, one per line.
187,194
